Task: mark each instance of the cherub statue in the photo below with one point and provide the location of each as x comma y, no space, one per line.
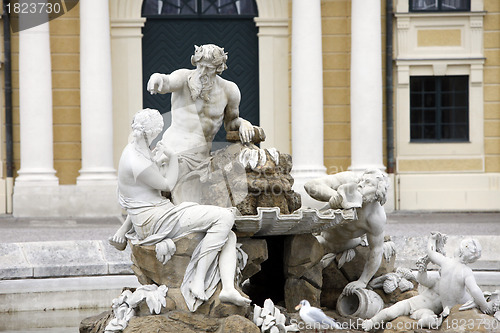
366,194
457,284
154,220
423,307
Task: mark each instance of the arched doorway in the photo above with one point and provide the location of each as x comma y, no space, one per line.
172,29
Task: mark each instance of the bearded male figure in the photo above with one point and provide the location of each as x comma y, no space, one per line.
201,102
366,194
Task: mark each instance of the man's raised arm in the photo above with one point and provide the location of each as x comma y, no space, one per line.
163,83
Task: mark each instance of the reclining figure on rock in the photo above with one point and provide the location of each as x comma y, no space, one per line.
201,102
154,220
366,194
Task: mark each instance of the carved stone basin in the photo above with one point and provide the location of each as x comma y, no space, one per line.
269,221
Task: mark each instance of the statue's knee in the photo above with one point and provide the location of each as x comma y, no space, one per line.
227,217
231,237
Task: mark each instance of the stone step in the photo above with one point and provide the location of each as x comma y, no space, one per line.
62,259
62,293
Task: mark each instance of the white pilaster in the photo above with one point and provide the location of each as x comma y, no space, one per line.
274,93
96,93
126,62
366,85
307,94
35,101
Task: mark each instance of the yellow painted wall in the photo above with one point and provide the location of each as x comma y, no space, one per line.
336,29
492,86
65,48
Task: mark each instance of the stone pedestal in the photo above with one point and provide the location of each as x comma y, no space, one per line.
150,271
247,177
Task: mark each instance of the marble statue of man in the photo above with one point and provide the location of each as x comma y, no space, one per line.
201,102
154,220
366,194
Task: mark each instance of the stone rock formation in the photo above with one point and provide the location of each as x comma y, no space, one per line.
150,271
247,177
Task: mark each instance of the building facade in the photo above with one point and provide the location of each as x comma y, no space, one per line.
326,71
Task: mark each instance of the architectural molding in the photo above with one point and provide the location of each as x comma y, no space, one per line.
126,52
273,9
125,9
449,191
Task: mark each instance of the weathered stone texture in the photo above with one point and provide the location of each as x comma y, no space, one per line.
173,322
303,270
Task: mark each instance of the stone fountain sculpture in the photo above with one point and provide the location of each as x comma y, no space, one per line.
362,198
454,285
183,200
154,220
169,237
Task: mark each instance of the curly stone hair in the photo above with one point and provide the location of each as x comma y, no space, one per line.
211,53
382,185
146,121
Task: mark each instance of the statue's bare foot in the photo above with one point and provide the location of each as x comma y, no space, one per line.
198,290
118,242
233,296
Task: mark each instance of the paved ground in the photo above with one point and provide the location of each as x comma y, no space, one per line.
15,230
421,223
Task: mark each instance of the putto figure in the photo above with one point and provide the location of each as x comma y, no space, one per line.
457,284
154,220
201,102
424,307
367,194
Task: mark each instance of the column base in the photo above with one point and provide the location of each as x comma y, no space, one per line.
362,167
301,176
38,200
96,176
37,177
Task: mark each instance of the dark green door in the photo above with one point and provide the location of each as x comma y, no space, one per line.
168,43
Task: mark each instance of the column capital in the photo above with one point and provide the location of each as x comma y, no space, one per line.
272,27
127,28
125,9
273,9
